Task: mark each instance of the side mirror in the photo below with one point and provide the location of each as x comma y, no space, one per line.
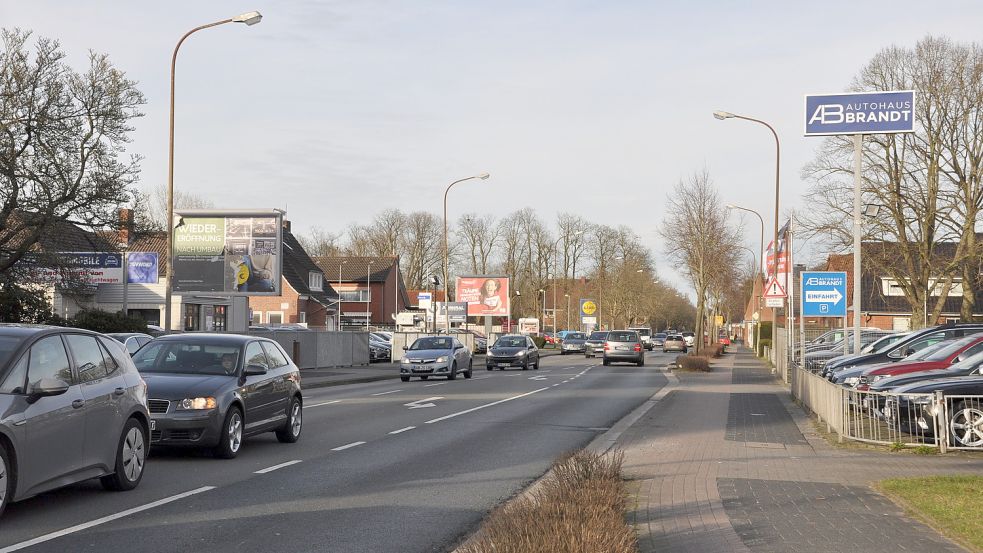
406,348
47,387
256,370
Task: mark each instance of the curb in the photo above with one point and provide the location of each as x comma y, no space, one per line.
359,380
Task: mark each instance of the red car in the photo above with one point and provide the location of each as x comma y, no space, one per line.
947,355
550,339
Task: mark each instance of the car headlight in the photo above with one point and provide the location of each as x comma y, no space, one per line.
442,359
405,361
196,404
520,354
852,381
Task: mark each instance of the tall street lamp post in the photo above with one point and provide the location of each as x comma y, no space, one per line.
568,310
543,292
778,155
556,263
447,321
368,294
249,18
758,264
343,261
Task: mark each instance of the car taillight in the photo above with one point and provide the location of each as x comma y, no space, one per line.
607,346
638,347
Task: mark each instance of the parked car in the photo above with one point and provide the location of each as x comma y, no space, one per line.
688,337
73,408
622,346
912,343
132,341
967,367
953,352
574,342
645,333
594,345
155,330
435,356
213,390
512,350
916,414
851,376
674,342
659,339
380,351
817,361
722,338
550,338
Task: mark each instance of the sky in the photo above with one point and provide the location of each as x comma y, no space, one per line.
337,110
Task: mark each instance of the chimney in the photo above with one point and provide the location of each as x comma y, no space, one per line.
125,226
286,225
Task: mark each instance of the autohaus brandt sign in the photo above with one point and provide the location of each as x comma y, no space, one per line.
860,113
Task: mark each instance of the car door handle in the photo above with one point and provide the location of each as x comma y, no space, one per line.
78,403
119,391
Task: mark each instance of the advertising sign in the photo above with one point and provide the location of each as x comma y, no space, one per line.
587,308
824,294
142,267
98,267
486,295
424,299
228,252
457,310
529,326
860,113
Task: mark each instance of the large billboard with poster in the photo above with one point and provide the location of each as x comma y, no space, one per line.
486,295
234,253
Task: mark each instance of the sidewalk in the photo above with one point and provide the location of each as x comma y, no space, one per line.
726,462
338,376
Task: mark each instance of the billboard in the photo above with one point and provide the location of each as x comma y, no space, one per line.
458,312
97,267
236,253
486,295
860,113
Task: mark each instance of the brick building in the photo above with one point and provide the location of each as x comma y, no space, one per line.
367,286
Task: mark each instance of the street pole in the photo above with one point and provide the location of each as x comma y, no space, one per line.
339,292
544,305
858,144
568,312
250,18
447,317
368,293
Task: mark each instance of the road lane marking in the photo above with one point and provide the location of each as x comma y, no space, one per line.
389,392
435,384
422,403
332,402
347,446
401,430
473,409
557,384
103,520
537,378
275,467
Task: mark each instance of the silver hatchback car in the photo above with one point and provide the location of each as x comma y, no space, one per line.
73,407
624,345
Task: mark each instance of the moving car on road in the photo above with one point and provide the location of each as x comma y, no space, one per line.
574,342
435,356
512,350
73,408
689,337
213,390
659,339
645,333
624,346
595,344
674,342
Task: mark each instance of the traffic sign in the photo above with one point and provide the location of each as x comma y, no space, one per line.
777,301
824,294
860,113
774,289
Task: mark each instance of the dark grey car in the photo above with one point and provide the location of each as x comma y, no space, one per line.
132,341
573,342
624,345
72,407
435,356
213,390
512,350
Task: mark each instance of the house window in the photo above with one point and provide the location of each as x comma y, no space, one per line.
354,295
302,317
192,317
220,318
257,317
315,281
274,317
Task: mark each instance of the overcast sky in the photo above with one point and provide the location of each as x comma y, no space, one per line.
336,110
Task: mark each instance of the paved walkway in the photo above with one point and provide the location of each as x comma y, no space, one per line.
726,462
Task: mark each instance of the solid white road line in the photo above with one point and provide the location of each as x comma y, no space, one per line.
473,409
103,520
389,392
332,402
275,467
401,430
347,446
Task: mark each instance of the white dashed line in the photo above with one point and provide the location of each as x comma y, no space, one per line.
557,384
401,430
473,409
435,384
389,392
321,404
103,520
275,467
347,446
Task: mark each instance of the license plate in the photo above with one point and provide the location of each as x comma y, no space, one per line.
153,424
622,348
422,369
503,364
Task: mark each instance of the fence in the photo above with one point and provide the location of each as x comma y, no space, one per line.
315,349
923,419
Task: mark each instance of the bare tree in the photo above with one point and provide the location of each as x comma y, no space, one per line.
320,243
183,199
422,252
478,236
63,142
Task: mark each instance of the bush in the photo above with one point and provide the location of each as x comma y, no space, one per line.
762,344
539,341
104,321
693,363
578,508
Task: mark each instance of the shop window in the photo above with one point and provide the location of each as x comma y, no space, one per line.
192,317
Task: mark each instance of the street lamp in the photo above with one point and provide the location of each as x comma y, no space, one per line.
482,176
568,311
761,254
778,155
368,293
250,19
556,263
343,261
543,292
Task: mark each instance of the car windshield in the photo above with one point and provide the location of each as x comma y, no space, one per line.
7,346
969,363
677,337
926,352
622,337
882,343
689,334
949,349
661,335
511,342
576,336
434,342
174,356
598,335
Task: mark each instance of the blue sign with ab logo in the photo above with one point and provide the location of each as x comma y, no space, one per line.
824,294
860,113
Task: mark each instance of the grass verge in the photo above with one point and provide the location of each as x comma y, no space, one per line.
579,507
951,504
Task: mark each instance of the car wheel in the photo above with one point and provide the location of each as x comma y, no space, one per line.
488,367
470,369
6,479
525,365
966,424
290,432
424,377
404,378
606,362
131,456
641,362
453,373
536,366
231,437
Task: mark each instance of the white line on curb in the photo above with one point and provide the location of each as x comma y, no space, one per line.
103,520
275,467
473,409
347,446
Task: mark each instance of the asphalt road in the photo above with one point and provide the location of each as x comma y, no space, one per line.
377,468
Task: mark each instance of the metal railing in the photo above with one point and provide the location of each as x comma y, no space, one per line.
888,418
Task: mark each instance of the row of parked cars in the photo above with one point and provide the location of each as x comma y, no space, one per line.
78,405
